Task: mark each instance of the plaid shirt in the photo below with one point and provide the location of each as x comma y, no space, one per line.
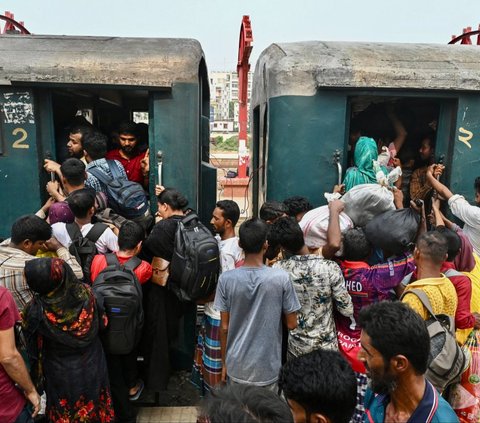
102,164
12,266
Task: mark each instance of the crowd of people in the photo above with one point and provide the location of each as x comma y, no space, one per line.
315,317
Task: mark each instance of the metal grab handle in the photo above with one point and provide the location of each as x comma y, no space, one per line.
336,160
159,167
441,159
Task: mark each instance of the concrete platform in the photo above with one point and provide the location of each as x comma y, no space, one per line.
167,415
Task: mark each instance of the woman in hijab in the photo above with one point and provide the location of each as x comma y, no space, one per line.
61,325
365,152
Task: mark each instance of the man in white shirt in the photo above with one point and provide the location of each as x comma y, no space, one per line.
207,368
460,207
82,204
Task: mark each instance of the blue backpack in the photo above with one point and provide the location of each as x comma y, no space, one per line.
125,197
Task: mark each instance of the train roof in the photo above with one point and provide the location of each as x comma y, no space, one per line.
139,62
301,68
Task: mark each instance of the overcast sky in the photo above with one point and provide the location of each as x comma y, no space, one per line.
216,23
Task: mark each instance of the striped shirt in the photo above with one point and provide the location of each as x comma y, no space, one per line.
12,266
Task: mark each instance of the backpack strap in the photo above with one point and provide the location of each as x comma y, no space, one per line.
113,166
132,263
452,272
112,260
423,299
189,218
96,231
100,174
73,231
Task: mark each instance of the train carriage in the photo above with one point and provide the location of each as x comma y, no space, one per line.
307,94
45,81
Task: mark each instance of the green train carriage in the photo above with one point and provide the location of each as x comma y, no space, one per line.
46,80
306,94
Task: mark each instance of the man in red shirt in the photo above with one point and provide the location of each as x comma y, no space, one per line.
12,368
133,160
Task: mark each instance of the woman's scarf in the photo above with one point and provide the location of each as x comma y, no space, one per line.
363,173
62,305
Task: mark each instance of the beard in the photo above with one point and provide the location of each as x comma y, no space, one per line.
75,155
128,149
383,385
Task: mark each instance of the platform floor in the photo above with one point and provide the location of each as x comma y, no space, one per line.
167,415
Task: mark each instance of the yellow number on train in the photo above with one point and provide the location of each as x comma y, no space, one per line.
20,143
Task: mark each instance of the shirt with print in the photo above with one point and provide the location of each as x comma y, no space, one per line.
319,285
12,266
102,164
256,298
231,257
370,284
107,241
12,400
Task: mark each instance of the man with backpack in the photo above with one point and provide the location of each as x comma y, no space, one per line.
395,351
125,197
116,283
83,238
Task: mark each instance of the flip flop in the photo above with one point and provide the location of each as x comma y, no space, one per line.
136,396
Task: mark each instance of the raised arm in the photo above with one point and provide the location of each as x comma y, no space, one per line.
433,172
334,235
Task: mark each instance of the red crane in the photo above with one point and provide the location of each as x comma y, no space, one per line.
12,26
465,37
243,67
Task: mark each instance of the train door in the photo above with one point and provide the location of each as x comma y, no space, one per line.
19,167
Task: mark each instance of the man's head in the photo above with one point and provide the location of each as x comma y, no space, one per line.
130,237
355,245
319,387
245,404
427,146
288,233
395,344
297,206
29,233
272,210
94,145
75,140
82,203
253,236
73,172
477,190
128,137
225,216
431,249
454,243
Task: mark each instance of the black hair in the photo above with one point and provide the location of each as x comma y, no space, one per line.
454,243
433,244
288,233
81,201
272,210
128,128
230,210
30,227
245,404
130,234
356,246
73,170
297,205
81,129
95,144
476,184
253,234
429,135
394,328
173,198
322,382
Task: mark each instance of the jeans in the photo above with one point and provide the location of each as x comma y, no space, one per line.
25,416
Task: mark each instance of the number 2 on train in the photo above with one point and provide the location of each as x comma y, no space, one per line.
20,143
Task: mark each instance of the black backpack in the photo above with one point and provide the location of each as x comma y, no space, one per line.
119,293
196,260
125,197
83,248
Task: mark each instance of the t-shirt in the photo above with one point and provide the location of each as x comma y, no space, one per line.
470,215
255,298
108,241
12,400
231,257
160,242
132,166
143,271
